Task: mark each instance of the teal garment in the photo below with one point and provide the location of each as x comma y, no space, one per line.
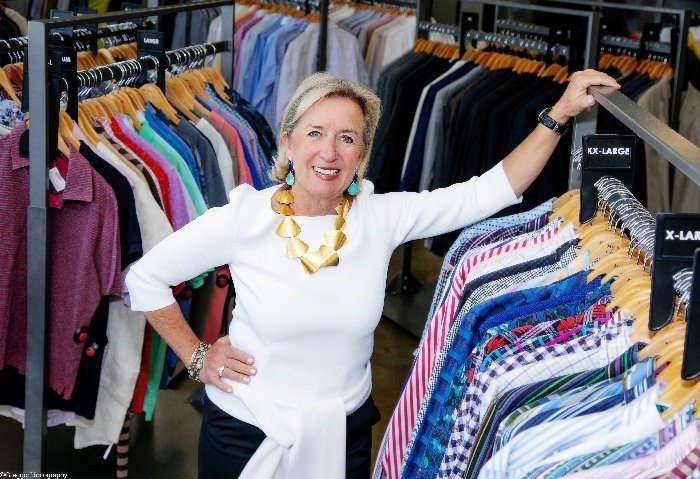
154,375
149,135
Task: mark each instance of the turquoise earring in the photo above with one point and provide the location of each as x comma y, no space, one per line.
353,188
289,179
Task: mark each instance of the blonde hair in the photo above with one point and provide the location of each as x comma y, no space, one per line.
317,87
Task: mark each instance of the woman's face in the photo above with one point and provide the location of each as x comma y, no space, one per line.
326,148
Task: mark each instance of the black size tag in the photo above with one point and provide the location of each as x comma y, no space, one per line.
691,352
150,43
677,237
69,74
604,155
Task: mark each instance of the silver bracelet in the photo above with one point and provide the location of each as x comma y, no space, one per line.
197,360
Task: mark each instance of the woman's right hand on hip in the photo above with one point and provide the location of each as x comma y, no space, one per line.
225,361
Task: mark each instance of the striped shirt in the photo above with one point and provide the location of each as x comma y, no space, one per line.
598,463
587,352
524,395
484,288
481,262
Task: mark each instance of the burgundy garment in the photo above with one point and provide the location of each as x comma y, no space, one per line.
84,258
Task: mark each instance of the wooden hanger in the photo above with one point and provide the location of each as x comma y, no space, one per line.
216,79
86,127
6,85
562,76
126,106
65,129
565,199
153,95
181,98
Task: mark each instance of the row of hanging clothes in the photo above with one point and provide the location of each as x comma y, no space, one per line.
446,119
132,165
536,360
384,30
276,45
449,119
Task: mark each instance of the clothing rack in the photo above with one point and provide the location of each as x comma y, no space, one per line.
38,213
127,69
397,4
83,39
438,28
407,302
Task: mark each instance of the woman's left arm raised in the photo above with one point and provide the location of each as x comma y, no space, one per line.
528,159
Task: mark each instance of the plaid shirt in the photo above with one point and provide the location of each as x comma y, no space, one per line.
660,451
482,262
10,114
582,353
442,382
532,335
532,393
573,303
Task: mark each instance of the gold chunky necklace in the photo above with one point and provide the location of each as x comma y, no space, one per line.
327,254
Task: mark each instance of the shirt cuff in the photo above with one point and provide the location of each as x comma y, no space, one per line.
145,295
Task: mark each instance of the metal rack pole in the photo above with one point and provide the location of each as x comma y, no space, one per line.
680,152
228,15
38,217
37,254
323,36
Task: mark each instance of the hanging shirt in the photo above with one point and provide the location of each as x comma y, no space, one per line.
343,59
84,234
225,158
617,426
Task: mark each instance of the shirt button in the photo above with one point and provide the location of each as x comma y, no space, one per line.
91,350
222,281
187,292
81,334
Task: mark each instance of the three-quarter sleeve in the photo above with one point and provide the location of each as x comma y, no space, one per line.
429,213
203,244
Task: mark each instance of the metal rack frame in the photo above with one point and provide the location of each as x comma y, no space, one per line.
38,213
680,152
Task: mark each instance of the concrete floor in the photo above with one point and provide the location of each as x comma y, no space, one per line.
167,446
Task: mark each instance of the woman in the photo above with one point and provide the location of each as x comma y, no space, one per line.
288,391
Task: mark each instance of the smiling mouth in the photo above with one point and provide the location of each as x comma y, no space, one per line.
323,171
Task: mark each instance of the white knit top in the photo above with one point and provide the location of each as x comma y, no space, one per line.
311,336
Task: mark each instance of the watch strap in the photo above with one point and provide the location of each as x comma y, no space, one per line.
551,123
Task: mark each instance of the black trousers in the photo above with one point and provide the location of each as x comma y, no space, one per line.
226,444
